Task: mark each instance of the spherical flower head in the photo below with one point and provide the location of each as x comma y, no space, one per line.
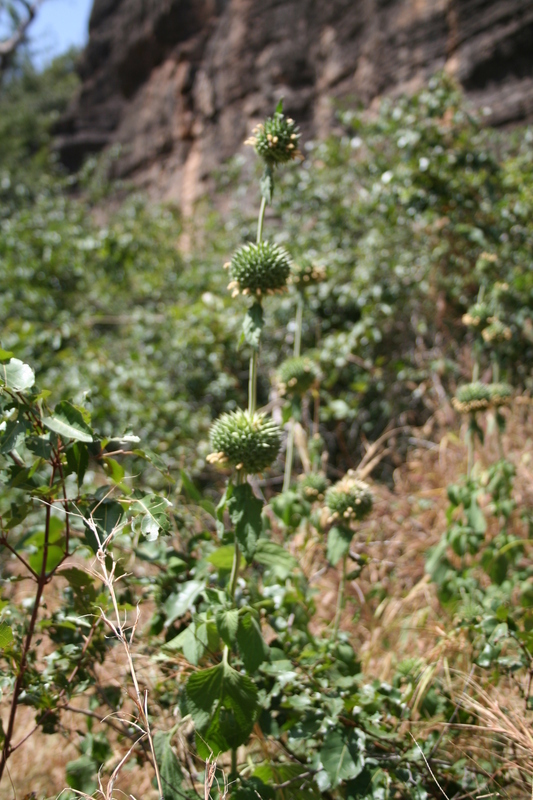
350,500
258,269
249,442
276,139
312,486
306,274
297,375
472,397
496,332
501,394
477,316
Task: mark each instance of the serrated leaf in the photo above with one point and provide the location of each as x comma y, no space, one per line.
67,421
16,375
227,623
6,635
245,514
223,705
169,766
252,325
339,540
274,556
252,647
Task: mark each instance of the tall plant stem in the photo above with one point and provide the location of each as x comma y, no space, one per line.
297,349
252,377
470,450
252,384
340,599
261,220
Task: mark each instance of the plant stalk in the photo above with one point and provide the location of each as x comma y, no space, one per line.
340,598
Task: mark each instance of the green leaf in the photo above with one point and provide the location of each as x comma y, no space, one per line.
78,460
275,557
106,515
253,325
67,421
252,647
279,107
195,640
266,184
169,766
178,603
223,705
245,513
54,555
81,774
77,578
16,375
189,487
343,756
227,624
11,435
6,635
222,558
475,517
152,516
339,540
5,355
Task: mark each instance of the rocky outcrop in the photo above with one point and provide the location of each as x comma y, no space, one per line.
178,83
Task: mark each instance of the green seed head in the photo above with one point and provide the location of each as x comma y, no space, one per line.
350,500
472,397
276,139
248,442
312,486
501,394
258,269
297,375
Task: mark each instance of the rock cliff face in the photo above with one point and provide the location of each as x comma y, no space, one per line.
178,83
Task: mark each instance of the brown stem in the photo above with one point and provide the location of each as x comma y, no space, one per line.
41,583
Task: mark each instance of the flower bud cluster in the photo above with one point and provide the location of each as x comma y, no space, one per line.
496,331
477,316
297,375
312,486
306,274
276,140
349,500
258,269
249,442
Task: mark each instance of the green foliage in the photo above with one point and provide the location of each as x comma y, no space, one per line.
31,102
412,212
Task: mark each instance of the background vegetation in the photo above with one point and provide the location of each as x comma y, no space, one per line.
409,213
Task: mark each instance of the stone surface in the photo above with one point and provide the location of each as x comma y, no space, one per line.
179,83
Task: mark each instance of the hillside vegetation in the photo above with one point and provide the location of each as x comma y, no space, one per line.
345,615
